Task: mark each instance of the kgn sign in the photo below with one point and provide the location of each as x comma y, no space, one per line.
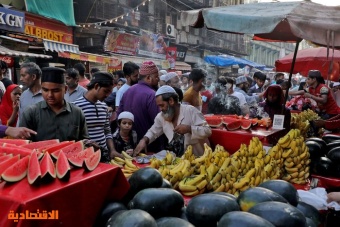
11,20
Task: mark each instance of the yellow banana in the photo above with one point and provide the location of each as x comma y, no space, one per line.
127,171
268,168
211,171
221,188
241,183
216,178
202,184
245,187
129,168
192,193
267,159
294,175
301,174
177,168
250,173
287,153
113,162
287,177
194,180
284,140
303,155
119,160
289,164
295,152
127,175
258,180
126,155
291,170
129,163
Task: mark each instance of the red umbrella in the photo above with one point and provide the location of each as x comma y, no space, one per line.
311,59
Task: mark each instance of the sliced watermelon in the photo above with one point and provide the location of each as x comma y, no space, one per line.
214,121
40,144
5,164
93,161
33,170
246,124
17,171
78,159
7,145
47,168
5,157
16,150
17,142
232,126
228,120
63,167
55,154
254,122
54,147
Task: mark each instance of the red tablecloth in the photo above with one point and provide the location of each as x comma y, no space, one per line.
78,201
231,140
326,182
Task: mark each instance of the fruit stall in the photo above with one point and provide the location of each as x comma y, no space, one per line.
39,187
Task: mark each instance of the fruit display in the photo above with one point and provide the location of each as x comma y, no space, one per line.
234,122
33,160
301,121
126,164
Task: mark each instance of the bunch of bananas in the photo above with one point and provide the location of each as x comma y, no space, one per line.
301,121
193,185
296,157
126,164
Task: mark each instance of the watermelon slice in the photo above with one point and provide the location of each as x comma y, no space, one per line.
5,157
246,124
40,144
47,168
54,147
93,161
17,142
16,150
232,126
78,159
5,164
7,145
33,170
214,121
228,120
17,171
63,167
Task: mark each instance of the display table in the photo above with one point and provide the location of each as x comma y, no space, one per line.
231,140
326,182
76,202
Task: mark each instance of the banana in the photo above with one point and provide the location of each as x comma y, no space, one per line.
291,170
177,168
127,171
289,164
301,174
127,175
287,153
294,175
130,169
194,180
211,171
250,173
267,159
221,188
295,152
168,158
257,180
113,162
126,155
217,178
202,184
268,168
129,163
287,177
303,155
191,193
241,183
245,187
284,140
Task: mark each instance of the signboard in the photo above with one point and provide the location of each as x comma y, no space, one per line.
48,29
152,45
171,53
181,51
121,43
114,68
8,60
11,20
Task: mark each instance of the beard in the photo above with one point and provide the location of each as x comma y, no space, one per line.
169,113
134,82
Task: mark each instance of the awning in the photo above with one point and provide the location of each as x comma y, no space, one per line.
83,56
226,60
182,66
15,53
60,47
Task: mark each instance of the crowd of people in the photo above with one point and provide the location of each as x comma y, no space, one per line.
142,108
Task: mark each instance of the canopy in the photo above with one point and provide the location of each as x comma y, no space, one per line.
226,60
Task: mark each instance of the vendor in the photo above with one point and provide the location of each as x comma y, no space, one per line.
183,125
321,93
274,104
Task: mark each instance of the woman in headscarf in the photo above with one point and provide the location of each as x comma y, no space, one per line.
275,104
10,105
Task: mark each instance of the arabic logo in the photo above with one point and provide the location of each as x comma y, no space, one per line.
29,215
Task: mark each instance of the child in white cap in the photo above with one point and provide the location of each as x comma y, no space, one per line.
125,139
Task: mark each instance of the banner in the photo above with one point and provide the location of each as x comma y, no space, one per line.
171,53
181,51
8,60
114,68
152,45
116,42
11,20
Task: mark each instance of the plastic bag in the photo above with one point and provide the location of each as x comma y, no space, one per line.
317,197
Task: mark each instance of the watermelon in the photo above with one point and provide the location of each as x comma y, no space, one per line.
78,159
228,120
5,157
17,171
16,150
17,142
36,145
254,122
7,145
214,121
63,167
55,147
47,168
232,126
33,170
92,162
5,164
246,124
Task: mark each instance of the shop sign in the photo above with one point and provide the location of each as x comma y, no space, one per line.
181,51
116,42
11,20
152,45
8,60
171,53
114,68
48,29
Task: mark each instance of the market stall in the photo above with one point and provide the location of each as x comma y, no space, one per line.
72,203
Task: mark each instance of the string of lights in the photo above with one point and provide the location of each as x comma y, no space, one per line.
115,19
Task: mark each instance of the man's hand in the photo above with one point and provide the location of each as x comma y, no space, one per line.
182,129
141,146
90,143
20,132
319,123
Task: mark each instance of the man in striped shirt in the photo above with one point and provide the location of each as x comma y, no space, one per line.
96,113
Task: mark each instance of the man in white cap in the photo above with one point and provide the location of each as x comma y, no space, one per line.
183,125
172,80
242,86
162,80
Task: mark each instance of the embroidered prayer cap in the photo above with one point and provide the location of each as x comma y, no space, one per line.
240,80
164,90
101,77
148,68
53,75
170,75
126,115
162,72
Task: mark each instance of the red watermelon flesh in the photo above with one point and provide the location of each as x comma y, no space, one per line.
228,120
93,161
17,171
55,147
5,157
33,170
214,121
73,149
5,164
47,168
17,142
40,144
7,145
232,126
16,150
246,124
63,167
78,159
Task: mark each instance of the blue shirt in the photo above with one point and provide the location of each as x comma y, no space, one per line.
121,92
76,94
